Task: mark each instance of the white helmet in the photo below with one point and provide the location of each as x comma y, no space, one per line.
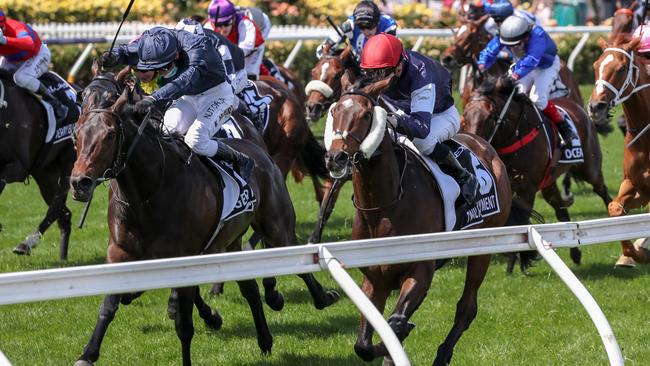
513,30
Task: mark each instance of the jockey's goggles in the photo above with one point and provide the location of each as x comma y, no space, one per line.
227,23
164,68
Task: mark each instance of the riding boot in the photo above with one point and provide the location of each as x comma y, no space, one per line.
242,162
246,111
60,109
468,183
562,124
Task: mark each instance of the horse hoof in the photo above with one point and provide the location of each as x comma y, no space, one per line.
625,262
217,289
274,300
333,296
83,363
388,362
576,255
214,322
23,249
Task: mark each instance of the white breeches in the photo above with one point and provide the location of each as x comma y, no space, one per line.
26,73
539,82
254,60
443,127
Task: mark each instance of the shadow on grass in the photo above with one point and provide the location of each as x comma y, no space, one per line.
602,270
311,360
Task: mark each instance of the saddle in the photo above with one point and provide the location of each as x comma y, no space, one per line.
66,93
458,215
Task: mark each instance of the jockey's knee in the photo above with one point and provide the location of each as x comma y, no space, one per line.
541,103
26,81
200,144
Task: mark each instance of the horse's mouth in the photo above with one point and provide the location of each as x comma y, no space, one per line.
82,188
338,172
81,195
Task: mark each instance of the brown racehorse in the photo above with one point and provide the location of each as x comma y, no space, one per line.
621,78
470,39
164,202
380,173
524,147
23,127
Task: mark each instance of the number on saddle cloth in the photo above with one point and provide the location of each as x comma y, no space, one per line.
258,104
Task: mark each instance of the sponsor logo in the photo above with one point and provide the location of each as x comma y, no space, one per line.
573,153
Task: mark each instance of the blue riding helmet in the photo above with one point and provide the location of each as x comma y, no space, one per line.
157,48
501,10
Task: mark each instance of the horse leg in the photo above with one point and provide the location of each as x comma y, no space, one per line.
466,308
49,187
566,186
251,293
363,347
326,208
3,184
211,318
272,297
106,314
412,293
183,299
554,198
628,198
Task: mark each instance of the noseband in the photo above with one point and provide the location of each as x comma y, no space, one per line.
631,79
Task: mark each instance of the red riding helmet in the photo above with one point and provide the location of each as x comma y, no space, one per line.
381,51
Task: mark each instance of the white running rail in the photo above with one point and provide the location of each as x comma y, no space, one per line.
53,284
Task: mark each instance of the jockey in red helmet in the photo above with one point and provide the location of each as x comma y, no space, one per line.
23,53
421,101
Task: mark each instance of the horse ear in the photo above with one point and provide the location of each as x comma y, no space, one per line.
633,44
346,81
96,68
602,43
481,21
345,54
633,5
123,74
122,101
376,88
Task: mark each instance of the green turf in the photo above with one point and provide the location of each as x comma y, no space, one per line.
522,320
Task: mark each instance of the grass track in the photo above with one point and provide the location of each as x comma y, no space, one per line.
522,320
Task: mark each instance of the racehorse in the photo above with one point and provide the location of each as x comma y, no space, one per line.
395,195
165,202
621,78
470,39
624,20
23,152
529,151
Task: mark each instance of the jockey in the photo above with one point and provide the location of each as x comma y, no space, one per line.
421,101
536,68
240,30
195,83
365,22
500,10
233,59
23,53
643,32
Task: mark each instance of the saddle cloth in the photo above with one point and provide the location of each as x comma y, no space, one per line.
238,196
258,104
230,130
571,153
458,215
58,132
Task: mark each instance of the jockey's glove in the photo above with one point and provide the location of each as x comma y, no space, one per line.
3,39
394,119
145,105
107,59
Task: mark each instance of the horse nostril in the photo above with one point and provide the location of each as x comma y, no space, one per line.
341,158
597,107
82,183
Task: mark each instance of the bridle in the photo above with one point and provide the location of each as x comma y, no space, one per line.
359,156
330,94
631,79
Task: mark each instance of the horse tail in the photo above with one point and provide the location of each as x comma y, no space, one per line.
312,158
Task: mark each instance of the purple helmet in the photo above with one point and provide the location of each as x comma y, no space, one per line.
225,8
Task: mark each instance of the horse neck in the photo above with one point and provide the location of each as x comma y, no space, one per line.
376,181
141,179
519,120
636,106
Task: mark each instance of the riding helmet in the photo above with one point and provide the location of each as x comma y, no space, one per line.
501,10
226,10
366,14
382,50
513,30
157,48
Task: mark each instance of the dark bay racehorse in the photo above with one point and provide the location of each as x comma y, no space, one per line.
395,195
622,78
23,127
524,148
164,202
470,39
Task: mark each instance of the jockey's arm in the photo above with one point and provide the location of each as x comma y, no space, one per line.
417,122
23,41
127,54
247,36
196,48
488,56
390,26
534,53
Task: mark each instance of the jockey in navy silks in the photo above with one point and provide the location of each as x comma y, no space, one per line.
536,68
422,103
200,95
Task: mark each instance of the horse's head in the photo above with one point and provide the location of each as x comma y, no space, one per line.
624,20
469,40
481,112
99,139
355,127
325,85
616,76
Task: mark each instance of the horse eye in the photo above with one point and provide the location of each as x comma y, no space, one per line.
110,136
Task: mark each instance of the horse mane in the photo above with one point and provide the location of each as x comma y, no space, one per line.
488,86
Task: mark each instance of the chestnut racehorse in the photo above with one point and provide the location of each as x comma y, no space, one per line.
621,78
395,195
529,153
